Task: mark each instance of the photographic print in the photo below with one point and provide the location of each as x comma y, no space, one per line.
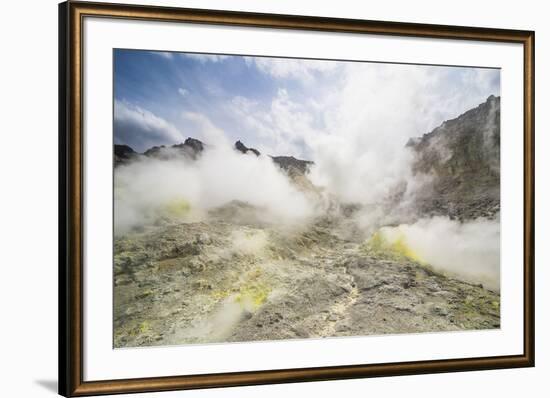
250,198
264,198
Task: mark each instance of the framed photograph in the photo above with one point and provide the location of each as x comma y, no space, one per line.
251,198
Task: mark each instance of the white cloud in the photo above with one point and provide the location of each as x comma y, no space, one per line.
354,127
279,127
141,128
183,92
147,188
164,54
243,104
370,117
285,68
206,130
353,124
204,58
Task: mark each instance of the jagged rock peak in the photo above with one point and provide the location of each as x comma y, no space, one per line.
190,148
153,151
195,144
124,154
239,146
290,162
124,151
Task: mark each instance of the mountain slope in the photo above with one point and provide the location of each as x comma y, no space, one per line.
462,159
229,275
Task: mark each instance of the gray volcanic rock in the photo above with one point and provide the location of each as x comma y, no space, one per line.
124,154
191,145
155,151
220,281
462,157
191,148
288,163
239,146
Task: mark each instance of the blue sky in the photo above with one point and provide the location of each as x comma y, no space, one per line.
285,106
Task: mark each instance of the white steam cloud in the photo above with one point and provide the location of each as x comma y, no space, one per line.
149,188
352,121
355,118
469,250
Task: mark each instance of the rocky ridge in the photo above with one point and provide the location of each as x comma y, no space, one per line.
192,149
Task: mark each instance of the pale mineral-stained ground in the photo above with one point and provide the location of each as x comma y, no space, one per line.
229,274
218,282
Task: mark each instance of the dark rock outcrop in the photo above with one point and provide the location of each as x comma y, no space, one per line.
155,151
193,145
290,163
123,154
239,146
462,159
191,148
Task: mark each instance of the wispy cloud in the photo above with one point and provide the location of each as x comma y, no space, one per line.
351,125
204,58
141,129
286,68
331,112
206,130
164,54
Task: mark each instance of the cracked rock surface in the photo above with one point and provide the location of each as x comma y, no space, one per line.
215,281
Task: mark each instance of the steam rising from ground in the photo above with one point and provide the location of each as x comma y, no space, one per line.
184,189
352,124
469,250
367,118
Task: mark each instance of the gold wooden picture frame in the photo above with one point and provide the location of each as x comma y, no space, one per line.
71,204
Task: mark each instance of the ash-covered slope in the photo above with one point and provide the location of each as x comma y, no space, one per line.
462,157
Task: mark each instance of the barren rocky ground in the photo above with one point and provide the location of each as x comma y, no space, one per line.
216,281
233,277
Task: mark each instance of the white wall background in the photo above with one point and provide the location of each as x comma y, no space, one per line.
28,197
